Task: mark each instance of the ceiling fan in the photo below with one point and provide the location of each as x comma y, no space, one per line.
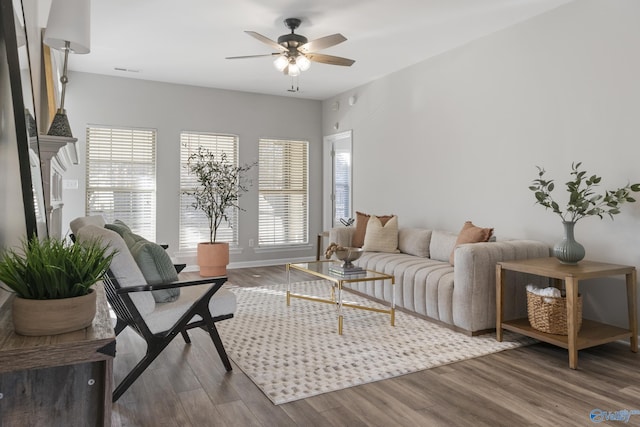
296,52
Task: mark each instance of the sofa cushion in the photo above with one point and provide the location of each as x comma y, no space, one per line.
379,237
470,234
361,227
414,241
442,243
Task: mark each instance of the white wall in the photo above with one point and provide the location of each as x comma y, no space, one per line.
170,108
458,137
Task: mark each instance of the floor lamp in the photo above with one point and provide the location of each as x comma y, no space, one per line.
68,30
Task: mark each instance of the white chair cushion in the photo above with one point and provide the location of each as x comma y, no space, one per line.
123,266
80,222
167,314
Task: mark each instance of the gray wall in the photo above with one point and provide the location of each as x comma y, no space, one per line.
458,137
170,109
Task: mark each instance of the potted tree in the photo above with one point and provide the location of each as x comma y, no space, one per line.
220,185
53,283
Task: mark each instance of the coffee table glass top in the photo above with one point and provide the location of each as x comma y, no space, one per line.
321,269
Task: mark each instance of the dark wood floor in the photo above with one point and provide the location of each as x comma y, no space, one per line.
532,386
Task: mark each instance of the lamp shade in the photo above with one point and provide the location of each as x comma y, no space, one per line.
69,21
294,70
281,62
303,62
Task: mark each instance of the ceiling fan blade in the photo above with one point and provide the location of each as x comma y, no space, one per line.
329,59
266,40
253,56
322,43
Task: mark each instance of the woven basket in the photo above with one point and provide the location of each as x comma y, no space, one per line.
550,317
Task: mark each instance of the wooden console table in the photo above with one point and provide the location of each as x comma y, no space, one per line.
592,333
57,380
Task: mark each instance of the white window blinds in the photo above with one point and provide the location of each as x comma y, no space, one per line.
121,177
283,192
194,227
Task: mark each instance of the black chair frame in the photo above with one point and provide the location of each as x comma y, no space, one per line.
128,315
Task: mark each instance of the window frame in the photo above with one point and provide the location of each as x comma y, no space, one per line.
286,179
188,217
111,152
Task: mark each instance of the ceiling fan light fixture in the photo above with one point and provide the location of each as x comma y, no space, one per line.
294,52
294,70
281,62
303,62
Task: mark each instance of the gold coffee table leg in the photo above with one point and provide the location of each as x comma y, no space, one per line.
340,325
393,317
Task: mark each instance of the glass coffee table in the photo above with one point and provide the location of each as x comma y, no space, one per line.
321,269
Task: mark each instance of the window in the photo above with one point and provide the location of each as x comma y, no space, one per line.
283,192
121,176
194,227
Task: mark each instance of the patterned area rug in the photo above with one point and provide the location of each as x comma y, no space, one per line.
295,352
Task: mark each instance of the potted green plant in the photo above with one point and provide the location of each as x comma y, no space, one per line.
583,202
220,185
53,283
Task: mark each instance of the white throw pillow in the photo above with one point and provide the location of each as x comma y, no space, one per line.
379,238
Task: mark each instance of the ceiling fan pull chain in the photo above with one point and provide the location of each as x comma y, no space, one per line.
294,85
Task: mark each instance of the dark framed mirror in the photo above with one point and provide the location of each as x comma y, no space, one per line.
19,70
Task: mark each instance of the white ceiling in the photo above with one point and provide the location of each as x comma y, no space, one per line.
186,41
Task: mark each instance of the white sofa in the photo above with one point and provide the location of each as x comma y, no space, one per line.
462,296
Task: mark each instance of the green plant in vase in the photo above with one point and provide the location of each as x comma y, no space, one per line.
53,283
583,202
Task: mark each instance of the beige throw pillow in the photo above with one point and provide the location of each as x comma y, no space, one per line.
381,238
471,234
361,227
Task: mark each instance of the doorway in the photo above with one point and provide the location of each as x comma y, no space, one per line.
337,194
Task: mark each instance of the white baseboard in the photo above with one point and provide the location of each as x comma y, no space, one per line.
258,263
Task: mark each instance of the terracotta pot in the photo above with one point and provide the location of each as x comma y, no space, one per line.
213,259
35,317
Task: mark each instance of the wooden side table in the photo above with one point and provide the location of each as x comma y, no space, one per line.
63,379
592,333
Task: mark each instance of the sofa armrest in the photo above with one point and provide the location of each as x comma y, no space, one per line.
474,291
341,235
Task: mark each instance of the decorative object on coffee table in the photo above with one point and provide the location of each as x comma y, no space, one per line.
583,202
347,255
